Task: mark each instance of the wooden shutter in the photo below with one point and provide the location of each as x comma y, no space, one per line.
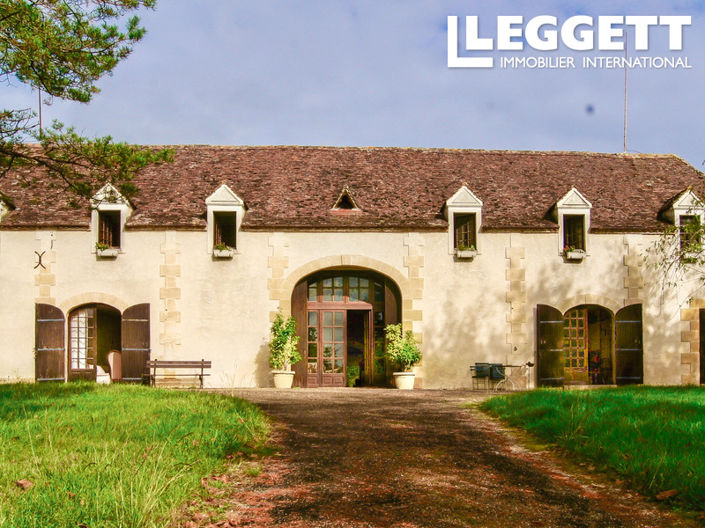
549,333
49,343
135,342
629,349
299,301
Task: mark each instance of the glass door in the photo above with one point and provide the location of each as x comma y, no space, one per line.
326,348
575,346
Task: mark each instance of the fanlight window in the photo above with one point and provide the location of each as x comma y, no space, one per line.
345,289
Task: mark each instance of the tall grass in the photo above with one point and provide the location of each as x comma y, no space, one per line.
654,437
116,456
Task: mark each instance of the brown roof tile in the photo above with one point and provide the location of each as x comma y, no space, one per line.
395,188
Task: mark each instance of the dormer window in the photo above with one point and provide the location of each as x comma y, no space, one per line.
574,232
689,233
572,212
464,231
464,213
110,212
225,230
345,202
687,213
109,229
225,211
5,206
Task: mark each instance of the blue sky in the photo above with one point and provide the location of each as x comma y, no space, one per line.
374,73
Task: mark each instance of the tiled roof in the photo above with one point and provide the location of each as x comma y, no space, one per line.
395,188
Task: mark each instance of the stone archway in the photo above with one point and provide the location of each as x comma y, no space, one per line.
341,314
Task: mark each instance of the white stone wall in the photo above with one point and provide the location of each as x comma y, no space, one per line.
462,311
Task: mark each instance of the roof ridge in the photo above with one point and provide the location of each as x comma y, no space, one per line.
425,149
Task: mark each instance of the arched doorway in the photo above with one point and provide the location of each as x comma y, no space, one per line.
340,319
94,330
587,345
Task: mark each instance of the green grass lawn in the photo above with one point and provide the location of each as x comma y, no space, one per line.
653,437
113,456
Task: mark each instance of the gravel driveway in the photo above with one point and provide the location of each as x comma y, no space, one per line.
377,458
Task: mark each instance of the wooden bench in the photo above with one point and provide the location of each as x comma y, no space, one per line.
155,364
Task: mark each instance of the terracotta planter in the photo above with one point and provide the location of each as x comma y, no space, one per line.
404,380
283,379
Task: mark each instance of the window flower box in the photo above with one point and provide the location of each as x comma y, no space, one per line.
574,254
466,253
107,252
223,253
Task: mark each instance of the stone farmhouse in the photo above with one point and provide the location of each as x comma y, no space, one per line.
488,256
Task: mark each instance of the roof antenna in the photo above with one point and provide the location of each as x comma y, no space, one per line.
626,46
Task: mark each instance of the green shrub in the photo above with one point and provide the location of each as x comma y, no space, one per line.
402,348
283,351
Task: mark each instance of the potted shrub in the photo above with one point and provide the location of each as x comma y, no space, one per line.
283,351
352,375
223,251
465,252
403,350
570,253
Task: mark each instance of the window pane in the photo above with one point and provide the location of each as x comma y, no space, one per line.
464,234
354,295
312,292
328,366
574,231
338,348
313,334
338,365
338,334
327,294
313,318
365,295
328,282
312,350
327,335
313,367
327,318
379,292
353,281
338,294
364,283
338,282
338,318
327,351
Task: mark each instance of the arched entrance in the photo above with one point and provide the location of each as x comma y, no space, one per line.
340,319
94,330
587,345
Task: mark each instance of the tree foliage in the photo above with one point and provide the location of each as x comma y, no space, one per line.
678,256
63,47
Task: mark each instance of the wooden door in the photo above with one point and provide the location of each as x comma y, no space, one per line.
135,338
82,344
298,309
629,350
575,346
332,346
549,356
49,343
